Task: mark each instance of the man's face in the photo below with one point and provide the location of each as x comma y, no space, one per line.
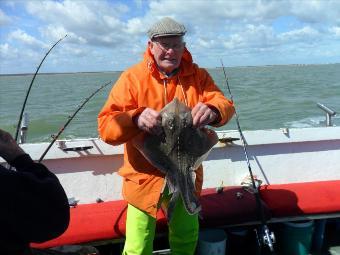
167,52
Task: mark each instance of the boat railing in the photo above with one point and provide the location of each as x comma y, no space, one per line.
25,120
329,114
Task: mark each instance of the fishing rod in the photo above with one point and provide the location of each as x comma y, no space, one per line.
29,89
70,118
265,236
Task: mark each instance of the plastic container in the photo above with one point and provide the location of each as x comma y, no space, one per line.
296,237
212,242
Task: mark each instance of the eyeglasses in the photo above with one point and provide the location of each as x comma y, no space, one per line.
167,46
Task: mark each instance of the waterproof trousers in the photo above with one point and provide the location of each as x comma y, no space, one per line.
140,231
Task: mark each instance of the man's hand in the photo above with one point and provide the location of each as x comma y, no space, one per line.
203,115
9,149
149,121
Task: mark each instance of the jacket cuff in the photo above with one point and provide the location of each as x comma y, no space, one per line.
136,113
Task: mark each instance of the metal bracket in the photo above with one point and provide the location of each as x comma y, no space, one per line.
329,114
228,139
78,148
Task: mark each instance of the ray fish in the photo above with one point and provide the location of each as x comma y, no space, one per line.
178,152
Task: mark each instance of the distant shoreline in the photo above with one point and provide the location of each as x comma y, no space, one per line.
280,65
25,74
93,72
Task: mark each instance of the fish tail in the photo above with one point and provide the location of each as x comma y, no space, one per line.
190,200
171,205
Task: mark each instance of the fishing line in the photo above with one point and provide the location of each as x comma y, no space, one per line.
70,118
266,236
29,89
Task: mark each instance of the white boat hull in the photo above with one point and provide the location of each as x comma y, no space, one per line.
276,157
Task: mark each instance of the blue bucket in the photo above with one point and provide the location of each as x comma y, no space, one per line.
212,242
296,237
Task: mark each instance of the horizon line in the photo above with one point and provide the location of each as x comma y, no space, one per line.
112,71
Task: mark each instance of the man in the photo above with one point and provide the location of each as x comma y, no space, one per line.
34,206
133,106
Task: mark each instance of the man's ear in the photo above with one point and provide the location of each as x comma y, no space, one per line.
150,45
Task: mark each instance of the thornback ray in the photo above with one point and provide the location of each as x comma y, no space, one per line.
178,152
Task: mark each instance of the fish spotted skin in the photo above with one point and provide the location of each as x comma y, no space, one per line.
178,152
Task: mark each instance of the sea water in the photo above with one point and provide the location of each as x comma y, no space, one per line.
266,97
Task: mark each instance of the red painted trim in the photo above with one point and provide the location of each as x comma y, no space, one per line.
104,221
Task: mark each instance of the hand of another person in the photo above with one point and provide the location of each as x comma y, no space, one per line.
149,121
202,115
9,149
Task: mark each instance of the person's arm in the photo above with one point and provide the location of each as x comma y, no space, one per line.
117,118
16,157
217,106
36,206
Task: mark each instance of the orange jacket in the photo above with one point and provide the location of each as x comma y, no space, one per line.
144,86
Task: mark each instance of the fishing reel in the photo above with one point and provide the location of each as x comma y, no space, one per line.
265,237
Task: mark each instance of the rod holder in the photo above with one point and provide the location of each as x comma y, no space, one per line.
329,114
24,128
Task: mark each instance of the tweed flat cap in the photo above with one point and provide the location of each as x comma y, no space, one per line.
166,27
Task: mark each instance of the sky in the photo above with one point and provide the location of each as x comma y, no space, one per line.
110,35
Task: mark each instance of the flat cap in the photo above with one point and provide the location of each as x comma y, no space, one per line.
166,27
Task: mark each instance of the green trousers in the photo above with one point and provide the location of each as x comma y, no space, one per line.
140,231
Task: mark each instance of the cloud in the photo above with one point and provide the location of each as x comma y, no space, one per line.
135,26
111,34
315,11
210,11
218,13
4,19
10,55
335,31
253,37
76,13
304,34
26,39
56,32
96,23
7,52
111,22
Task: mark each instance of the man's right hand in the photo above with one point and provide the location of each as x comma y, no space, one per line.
149,121
9,149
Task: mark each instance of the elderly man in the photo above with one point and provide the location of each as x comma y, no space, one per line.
166,72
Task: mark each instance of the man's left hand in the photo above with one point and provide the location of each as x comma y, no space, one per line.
203,115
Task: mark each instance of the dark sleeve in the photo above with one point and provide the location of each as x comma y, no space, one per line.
36,204
25,165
